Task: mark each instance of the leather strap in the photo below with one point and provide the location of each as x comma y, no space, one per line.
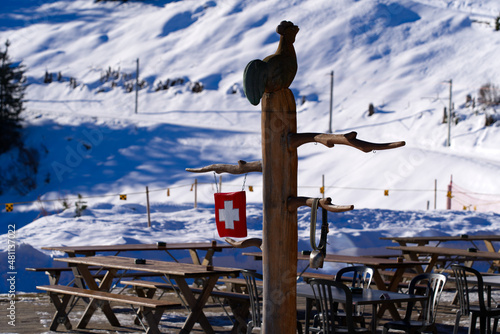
324,227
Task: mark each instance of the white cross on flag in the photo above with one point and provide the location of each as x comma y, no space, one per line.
230,214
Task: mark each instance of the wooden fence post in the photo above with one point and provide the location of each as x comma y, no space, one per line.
147,206
195,193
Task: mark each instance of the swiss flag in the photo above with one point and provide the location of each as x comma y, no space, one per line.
230,214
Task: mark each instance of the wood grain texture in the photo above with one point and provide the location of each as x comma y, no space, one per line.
279,234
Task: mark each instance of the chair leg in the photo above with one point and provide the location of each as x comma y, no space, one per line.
299,327
482,325
457,322
250,327
472,324
495,324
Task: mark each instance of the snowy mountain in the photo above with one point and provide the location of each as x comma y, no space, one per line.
400,56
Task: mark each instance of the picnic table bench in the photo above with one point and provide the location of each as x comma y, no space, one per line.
425,240
153,286
238,302
149,309
451,254
54,273
192,247
488,240
179,272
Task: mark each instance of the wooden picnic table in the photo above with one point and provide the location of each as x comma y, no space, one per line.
192,247
377,263
179,272
414,253
425,240
54,273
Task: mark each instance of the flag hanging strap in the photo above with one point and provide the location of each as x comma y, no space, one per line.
215,181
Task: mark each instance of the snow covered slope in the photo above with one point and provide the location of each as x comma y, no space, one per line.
398,55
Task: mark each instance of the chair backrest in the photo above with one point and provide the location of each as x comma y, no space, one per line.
430,285
253,292
464,290
361,276
324,291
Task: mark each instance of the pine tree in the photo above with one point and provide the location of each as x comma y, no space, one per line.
12,87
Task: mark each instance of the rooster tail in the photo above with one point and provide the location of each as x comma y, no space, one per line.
254,80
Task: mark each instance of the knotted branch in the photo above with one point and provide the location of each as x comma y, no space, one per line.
326,203
242,167
329,140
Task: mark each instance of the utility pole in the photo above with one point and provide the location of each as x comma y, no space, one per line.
331,102
448,143
149,211
137,86
435,193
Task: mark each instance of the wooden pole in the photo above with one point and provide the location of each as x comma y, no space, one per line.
137,86
435,193
323,185
449,195
267,81
450,113
279,235
195,193
147,206
331,103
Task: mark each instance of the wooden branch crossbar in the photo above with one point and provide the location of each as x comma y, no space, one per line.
250,242
329,140
325,203
242,167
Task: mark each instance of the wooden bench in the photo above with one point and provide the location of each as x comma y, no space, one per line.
307,276
238,302
149,309
54,273
153,286
238,285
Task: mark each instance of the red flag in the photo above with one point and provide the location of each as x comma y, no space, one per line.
230,214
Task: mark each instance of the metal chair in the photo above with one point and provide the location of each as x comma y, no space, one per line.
430,285
328,308
481,310
255,300
253,292
361,278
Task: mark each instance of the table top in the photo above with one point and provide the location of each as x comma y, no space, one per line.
448,251
490,280
369,296
364,260
463,237
139,247
153,266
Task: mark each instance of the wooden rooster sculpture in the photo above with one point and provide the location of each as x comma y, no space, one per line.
276,71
